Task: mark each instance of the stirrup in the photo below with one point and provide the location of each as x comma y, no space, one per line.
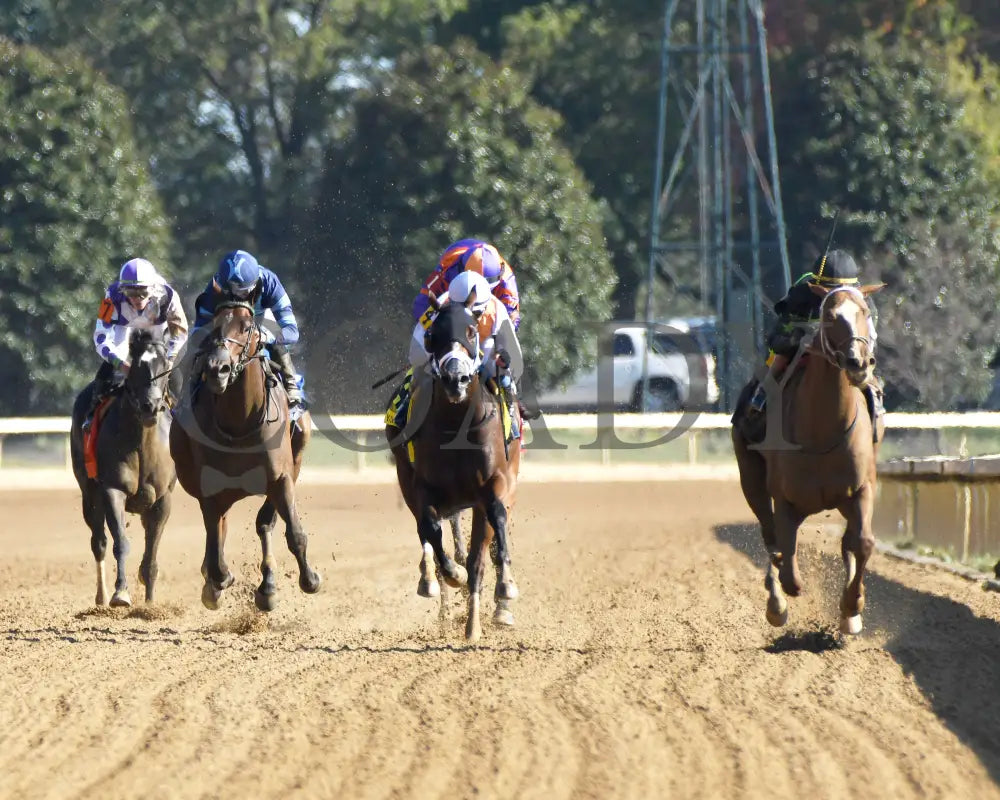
758,400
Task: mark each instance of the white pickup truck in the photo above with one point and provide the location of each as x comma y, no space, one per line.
681,370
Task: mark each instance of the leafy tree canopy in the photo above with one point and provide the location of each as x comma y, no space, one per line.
449,146
75,202
875,131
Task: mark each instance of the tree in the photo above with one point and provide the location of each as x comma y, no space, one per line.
871,128
75,202
235,101
598,65
448,146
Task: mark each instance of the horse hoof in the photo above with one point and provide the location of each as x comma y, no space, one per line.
101,599
473,630
777,618
310,582
427,588
265,602
507,591
503,617
457,578
121,599
851,625
210,597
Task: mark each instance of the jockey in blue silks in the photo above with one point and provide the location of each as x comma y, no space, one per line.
241,278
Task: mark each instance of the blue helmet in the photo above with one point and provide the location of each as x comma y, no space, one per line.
238,273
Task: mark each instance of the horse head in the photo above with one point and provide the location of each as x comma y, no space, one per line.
234,342
845,332
453,344
145,384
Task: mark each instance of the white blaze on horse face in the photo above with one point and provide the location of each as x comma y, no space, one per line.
148,357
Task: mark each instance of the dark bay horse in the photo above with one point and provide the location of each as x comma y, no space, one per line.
824,457
234,441
460,460
134,470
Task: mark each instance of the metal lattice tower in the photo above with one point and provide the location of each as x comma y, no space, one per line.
717,226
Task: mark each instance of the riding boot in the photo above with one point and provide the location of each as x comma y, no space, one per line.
876,409
289,377
103,386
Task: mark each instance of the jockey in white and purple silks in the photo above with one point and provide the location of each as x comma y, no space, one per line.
139,298
241,278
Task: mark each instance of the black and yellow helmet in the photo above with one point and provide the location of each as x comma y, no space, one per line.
836,268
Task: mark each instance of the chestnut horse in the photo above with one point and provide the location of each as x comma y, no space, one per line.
134,471
460,460
234,441
824,456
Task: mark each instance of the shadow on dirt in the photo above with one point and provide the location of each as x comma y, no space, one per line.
952,655
806,641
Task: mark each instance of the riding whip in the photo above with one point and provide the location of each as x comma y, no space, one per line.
388,378
829,244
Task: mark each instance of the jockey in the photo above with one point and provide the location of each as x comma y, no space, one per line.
241,278
798,314
473,255
499,349
140,298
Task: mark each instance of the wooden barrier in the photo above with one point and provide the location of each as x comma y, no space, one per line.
949,505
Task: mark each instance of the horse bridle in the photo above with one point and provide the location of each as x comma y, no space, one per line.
245,356
130,395
835,355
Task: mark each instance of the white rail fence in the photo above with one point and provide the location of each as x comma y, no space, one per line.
593,436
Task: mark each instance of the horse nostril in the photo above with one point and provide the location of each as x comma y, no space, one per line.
224,369
871,361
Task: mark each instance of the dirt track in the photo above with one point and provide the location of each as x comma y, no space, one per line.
641,665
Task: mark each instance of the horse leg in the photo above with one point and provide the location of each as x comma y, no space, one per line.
282,497
753,482
264,596
502,615
114,513
93,514
429,584
856,547
429,530
496,515
213,568
787,521
154,519
475,565
461,554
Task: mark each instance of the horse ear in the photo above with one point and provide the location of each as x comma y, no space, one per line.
470,332
819,291
871,288
433,300
471,298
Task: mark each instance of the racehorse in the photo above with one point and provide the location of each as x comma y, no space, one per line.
459,460
234,440
824,457
134,471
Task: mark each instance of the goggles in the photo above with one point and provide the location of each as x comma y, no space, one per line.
136,292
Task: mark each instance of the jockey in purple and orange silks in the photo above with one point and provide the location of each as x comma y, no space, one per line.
473,255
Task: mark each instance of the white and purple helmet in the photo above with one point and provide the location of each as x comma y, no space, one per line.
138,272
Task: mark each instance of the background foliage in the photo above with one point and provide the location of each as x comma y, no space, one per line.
347,142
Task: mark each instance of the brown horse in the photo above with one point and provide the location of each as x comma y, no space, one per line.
460,460
134,471
235,441
819,454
